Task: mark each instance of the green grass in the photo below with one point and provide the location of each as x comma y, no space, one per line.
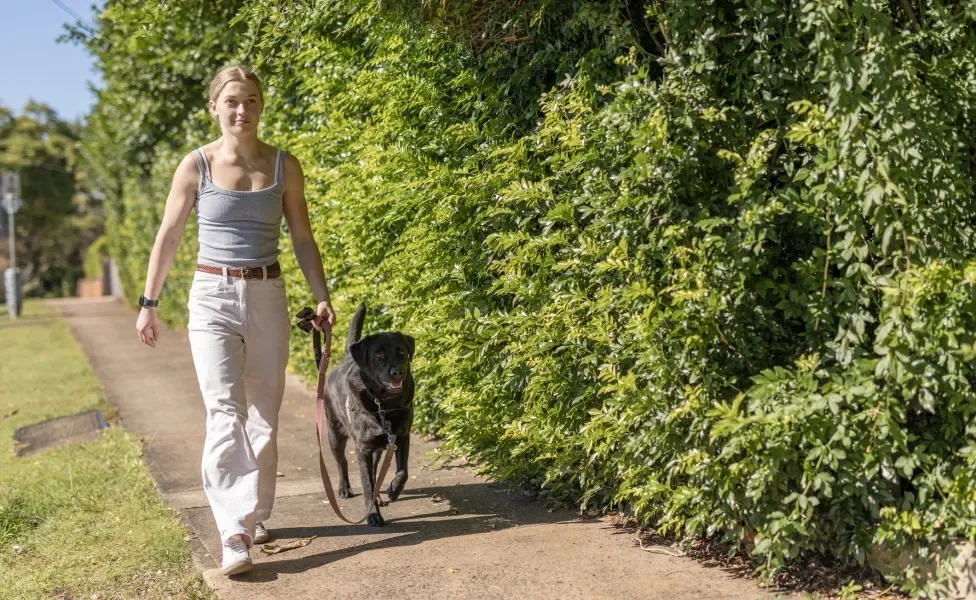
82,519
33,310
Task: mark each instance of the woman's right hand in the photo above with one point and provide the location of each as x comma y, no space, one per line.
147,325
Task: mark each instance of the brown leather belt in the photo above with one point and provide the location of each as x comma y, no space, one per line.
274,270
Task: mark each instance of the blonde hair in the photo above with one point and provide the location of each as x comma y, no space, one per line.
239,73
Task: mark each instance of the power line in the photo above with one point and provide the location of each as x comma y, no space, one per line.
71,12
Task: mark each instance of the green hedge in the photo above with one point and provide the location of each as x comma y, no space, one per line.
709,260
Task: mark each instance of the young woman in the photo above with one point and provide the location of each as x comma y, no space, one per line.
239,325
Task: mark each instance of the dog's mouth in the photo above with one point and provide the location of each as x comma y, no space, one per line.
395,386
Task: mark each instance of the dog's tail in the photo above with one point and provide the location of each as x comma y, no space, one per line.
356,326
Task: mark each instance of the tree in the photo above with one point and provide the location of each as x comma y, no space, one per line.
58,220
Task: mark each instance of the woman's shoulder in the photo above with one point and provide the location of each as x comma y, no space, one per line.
291,164
209,150
189,166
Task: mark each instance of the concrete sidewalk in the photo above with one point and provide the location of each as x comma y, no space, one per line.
451,535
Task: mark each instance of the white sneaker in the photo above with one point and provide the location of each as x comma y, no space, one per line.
261,534
236,558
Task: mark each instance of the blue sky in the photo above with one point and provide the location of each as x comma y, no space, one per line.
34,65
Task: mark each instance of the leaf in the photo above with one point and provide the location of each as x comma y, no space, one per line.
277,548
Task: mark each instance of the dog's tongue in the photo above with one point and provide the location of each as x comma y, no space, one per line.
396,384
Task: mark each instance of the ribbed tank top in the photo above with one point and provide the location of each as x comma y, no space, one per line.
238,228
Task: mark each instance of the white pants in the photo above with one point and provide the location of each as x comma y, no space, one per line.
239,339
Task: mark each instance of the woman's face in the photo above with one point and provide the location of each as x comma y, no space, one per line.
238,107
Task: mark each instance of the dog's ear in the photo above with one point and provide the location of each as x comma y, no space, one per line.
410,345
358,351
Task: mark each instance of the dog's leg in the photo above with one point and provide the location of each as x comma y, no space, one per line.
367,477
377,457
337,441
400,479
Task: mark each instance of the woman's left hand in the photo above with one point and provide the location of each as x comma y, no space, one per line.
324,312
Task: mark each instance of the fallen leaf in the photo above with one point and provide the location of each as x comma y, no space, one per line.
275,548
453,570
280,474
436,498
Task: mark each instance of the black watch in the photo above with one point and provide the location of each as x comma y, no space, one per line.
143,301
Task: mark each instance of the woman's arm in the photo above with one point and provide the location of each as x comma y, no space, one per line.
306,251
179,203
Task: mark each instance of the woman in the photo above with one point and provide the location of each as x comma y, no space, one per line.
239,325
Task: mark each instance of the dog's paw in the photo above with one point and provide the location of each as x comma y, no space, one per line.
375,520
396,486
345,492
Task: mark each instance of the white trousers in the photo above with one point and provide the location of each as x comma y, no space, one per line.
239,340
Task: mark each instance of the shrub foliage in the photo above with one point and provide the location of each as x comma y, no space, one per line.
708,259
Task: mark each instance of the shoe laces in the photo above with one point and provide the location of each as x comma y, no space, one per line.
236,544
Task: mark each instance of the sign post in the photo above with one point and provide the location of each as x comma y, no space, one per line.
10,197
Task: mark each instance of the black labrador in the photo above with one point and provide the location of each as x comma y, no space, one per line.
374,372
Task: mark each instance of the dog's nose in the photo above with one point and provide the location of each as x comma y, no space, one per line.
397,373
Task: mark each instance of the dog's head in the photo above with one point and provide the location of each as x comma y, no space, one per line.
384,359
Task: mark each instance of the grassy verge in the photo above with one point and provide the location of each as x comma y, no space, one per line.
81,521
33,310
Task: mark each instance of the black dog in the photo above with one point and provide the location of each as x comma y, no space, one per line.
375,368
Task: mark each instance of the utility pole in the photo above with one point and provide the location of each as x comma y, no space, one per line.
10,194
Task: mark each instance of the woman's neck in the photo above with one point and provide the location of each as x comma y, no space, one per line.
247,148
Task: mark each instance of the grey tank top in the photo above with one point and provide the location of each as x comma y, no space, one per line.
238,228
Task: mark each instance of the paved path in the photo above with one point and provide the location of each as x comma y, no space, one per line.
451,535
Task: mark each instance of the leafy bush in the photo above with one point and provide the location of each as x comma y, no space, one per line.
708,259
